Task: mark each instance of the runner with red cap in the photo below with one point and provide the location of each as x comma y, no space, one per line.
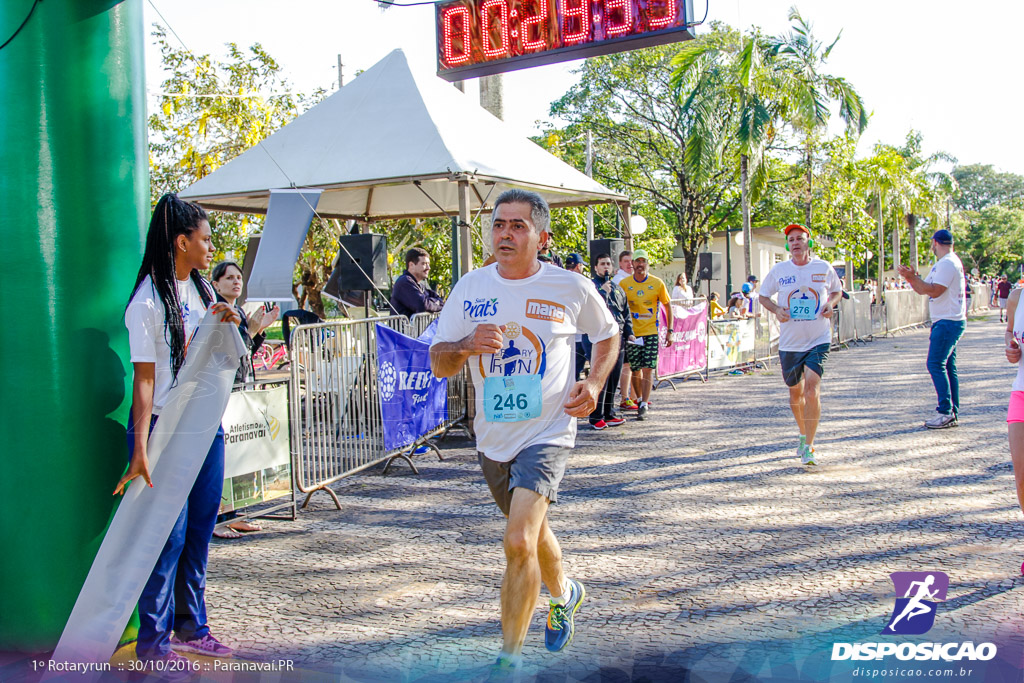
807,289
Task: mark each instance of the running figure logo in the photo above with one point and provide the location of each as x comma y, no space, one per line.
914,613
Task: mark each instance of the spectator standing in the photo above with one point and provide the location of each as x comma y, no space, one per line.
1003,289
574,264
682,289
946,305
604,415
167,305
625,383
645,292
411,295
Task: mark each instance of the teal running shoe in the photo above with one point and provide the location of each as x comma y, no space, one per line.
559,631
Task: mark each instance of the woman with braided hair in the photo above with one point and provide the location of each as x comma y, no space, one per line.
168,302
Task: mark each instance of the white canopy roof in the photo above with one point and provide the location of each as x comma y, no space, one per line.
372,142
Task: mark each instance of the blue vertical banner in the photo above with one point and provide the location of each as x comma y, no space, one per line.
412,400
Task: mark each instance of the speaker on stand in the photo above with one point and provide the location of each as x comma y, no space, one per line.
361,266
709,267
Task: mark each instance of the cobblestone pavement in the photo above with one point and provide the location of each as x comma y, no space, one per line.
702,541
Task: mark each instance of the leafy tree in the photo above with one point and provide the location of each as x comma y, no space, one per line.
806,92
677,161
981,186
746,65
210,111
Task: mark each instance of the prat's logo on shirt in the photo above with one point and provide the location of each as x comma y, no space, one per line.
539,309
819,277
787,280
479,308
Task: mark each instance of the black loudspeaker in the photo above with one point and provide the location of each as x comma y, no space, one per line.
250,258
612,246
359,254
709,266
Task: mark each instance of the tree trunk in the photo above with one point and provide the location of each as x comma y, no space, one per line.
745,210
809,159
881,250
897,257
912,236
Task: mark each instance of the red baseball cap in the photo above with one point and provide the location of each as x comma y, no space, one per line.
795,226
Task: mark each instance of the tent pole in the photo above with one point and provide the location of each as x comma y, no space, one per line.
455,250
465,236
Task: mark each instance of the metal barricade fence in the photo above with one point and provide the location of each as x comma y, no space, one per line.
731,343
980,298
766,341
337,428
904,308
679,307
458,385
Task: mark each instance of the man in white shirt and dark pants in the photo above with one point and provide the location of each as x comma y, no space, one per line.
807,288
947,306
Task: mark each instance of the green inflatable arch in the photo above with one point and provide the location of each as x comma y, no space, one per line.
74,197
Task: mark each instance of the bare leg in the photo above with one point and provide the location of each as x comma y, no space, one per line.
796,404
637,382
549,553
812,404
625,383
521,585
1017,456
646,384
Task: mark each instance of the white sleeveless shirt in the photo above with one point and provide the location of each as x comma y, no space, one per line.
1018,334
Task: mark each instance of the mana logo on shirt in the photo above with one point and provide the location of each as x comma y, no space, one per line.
522,353
538,309
479,308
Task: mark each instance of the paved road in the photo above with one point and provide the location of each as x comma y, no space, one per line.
704,545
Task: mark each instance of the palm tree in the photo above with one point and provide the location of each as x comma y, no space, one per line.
743,73
807,91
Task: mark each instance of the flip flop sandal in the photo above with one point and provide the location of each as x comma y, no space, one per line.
226,533
253,526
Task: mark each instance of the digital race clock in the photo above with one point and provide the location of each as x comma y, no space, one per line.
482,37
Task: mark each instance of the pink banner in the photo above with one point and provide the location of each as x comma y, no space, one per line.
689,349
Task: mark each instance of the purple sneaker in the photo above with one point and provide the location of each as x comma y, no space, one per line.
207,645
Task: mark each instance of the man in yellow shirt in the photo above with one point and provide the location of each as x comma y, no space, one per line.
645,292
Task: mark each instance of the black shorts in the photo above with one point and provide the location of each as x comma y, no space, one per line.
643,356
794,362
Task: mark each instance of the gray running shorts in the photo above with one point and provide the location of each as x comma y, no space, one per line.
538,468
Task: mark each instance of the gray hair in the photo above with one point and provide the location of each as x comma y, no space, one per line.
540,214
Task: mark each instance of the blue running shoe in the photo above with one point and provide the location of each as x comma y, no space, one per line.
559,631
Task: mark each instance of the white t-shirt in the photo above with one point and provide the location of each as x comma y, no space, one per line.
542,314
620,276
682,292
149,342
813,282
948,271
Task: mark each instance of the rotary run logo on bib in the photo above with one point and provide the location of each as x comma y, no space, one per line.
522,353
803,303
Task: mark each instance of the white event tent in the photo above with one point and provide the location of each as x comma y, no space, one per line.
393,143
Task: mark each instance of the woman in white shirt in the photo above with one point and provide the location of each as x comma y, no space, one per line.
682,289
167,304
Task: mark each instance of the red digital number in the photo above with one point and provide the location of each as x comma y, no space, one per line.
448,19
575,21
540,20
618,17
491,7
665,20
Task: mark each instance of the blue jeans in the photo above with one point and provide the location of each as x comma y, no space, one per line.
942,363
173,597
